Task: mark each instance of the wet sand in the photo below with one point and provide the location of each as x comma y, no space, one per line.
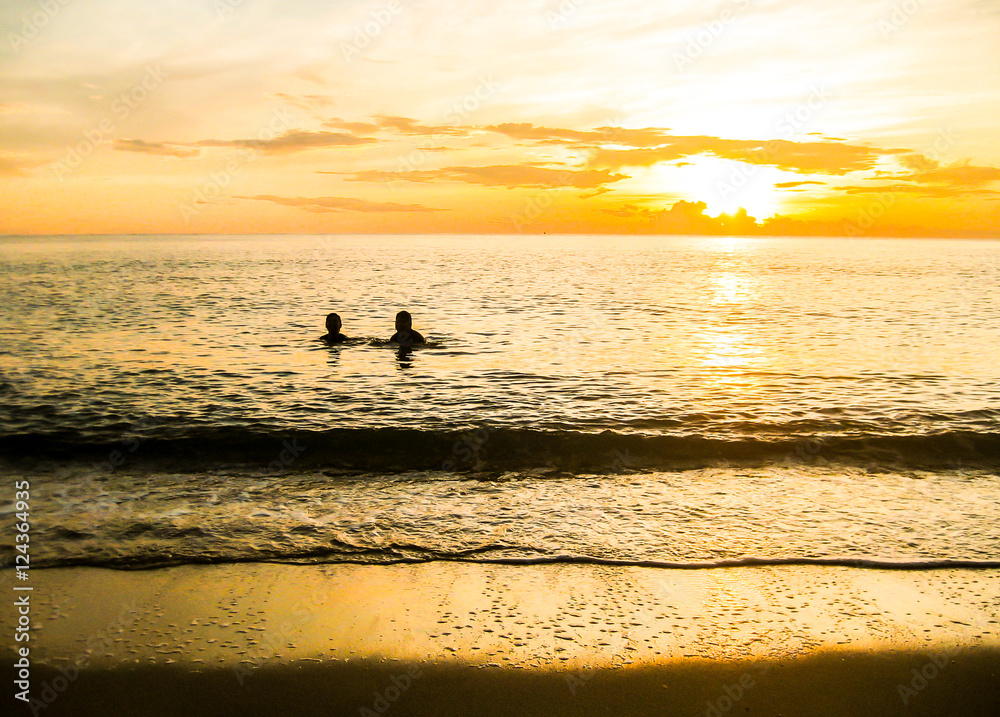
451,638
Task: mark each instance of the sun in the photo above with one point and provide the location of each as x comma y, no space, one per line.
726,185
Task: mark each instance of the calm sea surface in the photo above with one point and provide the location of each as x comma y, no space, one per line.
660,399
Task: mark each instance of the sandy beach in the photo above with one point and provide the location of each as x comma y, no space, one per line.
452,638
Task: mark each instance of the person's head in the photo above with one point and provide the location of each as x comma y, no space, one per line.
333,323
404,321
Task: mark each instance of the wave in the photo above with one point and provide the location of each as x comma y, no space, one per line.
488,448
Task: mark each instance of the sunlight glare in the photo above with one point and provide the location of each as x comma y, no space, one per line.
726,186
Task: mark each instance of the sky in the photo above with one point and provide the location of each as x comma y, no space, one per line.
781,117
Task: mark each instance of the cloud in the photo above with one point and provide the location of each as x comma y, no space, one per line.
789,185
595,193
933,180
526,130
964,175
917,161
648,137
502,175
341,204
684,217
13,165
403,125
306,102
935,191
805,157
161,148
291,141
355,127
618,147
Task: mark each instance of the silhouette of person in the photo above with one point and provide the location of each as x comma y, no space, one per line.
405,336
333,335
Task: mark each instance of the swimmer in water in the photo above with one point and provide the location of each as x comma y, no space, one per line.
405,336
333,335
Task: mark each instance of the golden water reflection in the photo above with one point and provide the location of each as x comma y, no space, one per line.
729,341
728,349
732,288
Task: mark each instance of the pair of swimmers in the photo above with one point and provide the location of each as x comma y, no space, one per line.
404,336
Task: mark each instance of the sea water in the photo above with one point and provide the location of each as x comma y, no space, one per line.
641,400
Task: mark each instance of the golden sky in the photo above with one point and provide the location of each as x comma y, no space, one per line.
816,117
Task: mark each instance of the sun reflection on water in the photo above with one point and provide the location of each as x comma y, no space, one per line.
732,288
727,342
728,349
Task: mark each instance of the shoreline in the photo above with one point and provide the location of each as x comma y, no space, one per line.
483,639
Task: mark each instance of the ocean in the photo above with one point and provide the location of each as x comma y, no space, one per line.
635,400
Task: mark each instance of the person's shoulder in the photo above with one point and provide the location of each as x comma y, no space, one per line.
333,338
407,337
